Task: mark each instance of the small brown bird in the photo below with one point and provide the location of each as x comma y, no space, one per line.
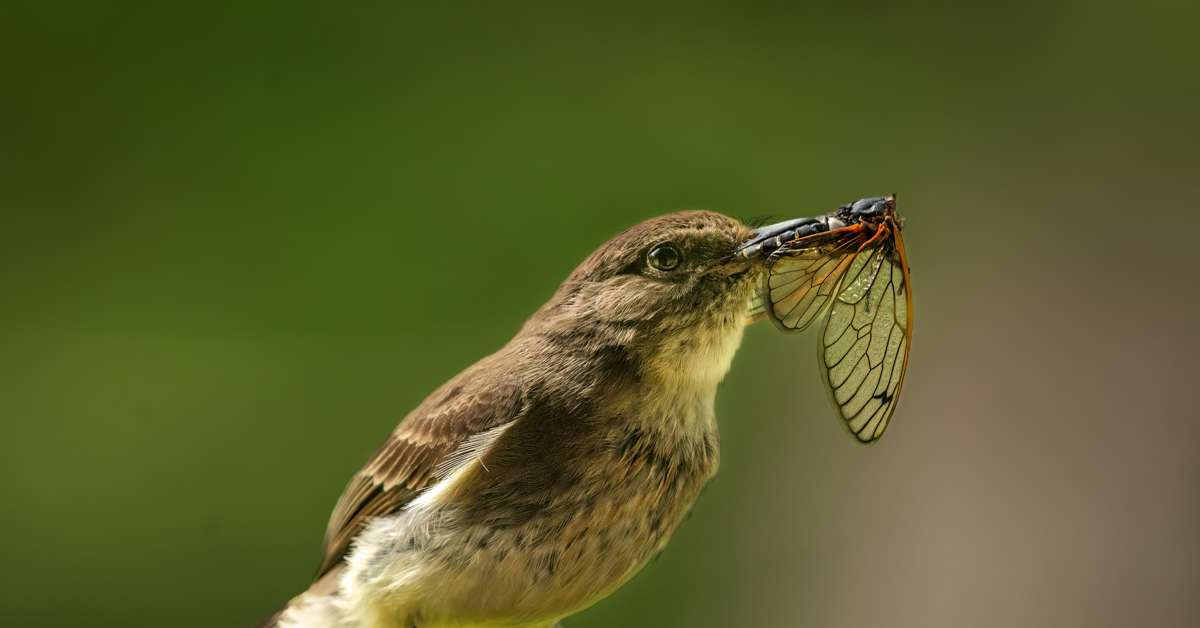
544,476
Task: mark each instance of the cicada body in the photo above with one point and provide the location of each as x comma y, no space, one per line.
850,269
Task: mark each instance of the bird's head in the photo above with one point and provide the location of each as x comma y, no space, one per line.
676,290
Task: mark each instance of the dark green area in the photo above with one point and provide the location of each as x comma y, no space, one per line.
238,243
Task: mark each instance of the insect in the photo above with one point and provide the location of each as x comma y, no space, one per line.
850,269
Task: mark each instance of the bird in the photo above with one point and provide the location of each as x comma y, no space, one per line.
543,477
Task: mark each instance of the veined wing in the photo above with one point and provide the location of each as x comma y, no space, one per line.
865,343
799,280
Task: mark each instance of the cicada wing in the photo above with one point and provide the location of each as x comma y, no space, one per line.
864,350
798,283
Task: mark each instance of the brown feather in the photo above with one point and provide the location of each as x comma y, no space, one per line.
475,401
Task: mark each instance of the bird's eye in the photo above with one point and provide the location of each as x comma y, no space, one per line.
664,257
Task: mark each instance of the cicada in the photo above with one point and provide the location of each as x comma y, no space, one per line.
850,270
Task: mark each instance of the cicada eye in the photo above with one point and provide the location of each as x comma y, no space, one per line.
664,257
869,206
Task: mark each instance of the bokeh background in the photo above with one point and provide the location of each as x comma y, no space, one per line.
239,242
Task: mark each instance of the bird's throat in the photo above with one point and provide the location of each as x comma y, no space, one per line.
680,378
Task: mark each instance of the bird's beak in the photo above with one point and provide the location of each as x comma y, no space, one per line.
767,239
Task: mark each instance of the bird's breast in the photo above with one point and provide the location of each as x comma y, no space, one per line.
530,557
575,498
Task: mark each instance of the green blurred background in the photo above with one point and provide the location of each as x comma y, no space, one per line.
238,243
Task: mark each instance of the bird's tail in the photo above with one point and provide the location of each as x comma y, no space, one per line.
311,609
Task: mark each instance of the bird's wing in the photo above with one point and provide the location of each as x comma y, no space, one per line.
455,425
